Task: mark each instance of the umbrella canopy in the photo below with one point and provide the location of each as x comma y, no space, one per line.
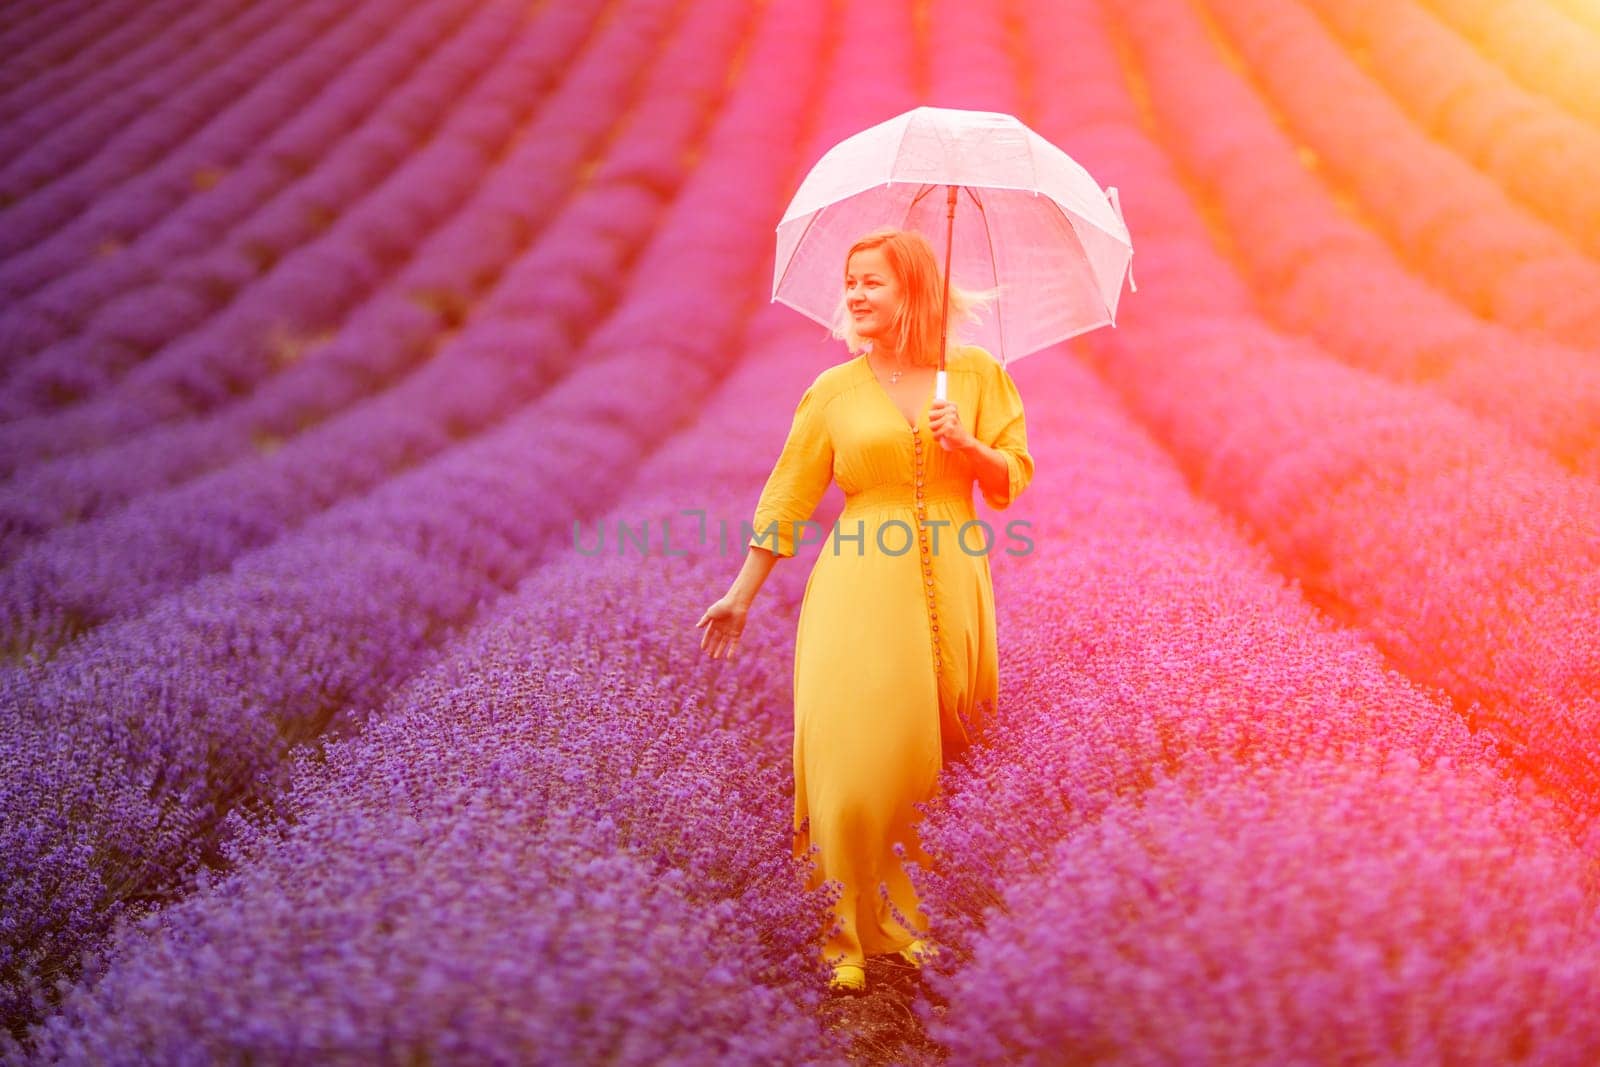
1029,221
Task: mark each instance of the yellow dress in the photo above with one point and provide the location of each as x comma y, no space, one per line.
895,656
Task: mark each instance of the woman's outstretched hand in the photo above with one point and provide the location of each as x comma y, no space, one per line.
945,422
723,623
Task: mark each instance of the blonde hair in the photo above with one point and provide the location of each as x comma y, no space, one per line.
914,330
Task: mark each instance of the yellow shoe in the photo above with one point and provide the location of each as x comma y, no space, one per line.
919,952
848,978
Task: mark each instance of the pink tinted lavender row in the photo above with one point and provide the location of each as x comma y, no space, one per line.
28,20
209,686
1143,635
1354,911
361,127
151,160
44,36
1547,158
1550,51
401,324
1040,757
108,87
1308,261
1470,559
1370,493
310,291
104,75
92,572
986,78
1453,222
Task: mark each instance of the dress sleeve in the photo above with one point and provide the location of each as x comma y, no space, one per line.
798,480
1001,426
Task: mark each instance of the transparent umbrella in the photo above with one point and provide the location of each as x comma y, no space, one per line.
1014,212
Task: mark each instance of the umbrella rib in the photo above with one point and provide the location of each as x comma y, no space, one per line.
899,146
994,276
812,221
1068,220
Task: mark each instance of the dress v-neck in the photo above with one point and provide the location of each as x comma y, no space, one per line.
883,390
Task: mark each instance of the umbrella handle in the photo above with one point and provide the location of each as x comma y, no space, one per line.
941,382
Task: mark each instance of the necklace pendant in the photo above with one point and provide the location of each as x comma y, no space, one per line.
895,377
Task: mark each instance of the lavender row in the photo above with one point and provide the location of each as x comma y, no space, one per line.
1467,556
1306,258
1456,224
1549,51
613,714
89,573
30,19
331,616
1046,990
47,35
988,76
1145,641
521,718
1548,159
147,296
1144,634
104,78
690,794
32,79
420,310
610,872
209,122
1580,12
1329,911
313,289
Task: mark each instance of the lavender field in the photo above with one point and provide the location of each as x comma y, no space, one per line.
383,384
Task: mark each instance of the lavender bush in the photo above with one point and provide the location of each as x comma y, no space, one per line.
98,571
335,614
132,149
357,136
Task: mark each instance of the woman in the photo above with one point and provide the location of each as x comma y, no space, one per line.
895,659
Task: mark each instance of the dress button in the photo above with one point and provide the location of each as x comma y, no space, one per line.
930,583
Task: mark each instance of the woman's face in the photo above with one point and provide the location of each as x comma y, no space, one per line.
871,293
